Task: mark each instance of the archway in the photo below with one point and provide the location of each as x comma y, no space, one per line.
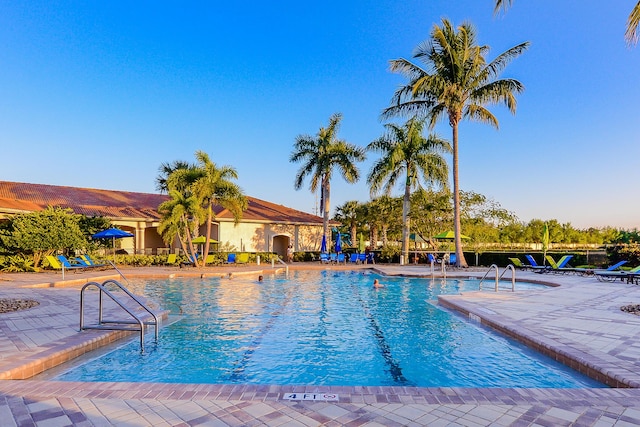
280,244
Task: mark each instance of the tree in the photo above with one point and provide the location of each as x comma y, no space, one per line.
43,232
179,216
630,34
194,190
166,169
182,214
215,186
349,215
320,156
457,82
406,152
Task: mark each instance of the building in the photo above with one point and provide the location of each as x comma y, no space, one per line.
264,227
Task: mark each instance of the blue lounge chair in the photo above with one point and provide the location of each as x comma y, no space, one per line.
370,258
432,258
362,258
612,276
341,258
68,264
56,264
532,261
353,258
589,271
324,258
452,259
231,259
333,258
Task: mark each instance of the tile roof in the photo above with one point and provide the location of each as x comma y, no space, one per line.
17,196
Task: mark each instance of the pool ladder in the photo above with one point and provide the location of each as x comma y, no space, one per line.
138,322
499,276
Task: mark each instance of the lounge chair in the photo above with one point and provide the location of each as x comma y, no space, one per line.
333,258
370,258
353,258
231,258
612,276
91,262
57,264
211,259
242,258
518,264
362,258
341,259
452,259
589,271
432,259
560,266
80,261
172,259
324,258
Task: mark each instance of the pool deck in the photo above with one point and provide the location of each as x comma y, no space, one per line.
578,322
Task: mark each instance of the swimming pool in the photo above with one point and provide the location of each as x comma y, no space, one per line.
322,328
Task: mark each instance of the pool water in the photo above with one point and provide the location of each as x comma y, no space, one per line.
322,328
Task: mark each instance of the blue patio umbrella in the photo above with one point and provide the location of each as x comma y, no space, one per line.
338,244
113,234
323,245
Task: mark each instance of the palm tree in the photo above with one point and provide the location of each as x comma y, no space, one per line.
349,214
214,186
630,34
457,82
321,155
165,170
179,216
406,152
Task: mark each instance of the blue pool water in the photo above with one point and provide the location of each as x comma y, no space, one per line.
322,328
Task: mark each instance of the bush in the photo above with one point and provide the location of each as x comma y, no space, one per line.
16,263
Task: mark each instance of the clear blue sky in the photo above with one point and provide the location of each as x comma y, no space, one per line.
99,94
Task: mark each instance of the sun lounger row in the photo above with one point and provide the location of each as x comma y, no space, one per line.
609,274
83,262
343,259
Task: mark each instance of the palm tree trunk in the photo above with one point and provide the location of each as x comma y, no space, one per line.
190,242
353,234
406,203
460,261
208,237
325,211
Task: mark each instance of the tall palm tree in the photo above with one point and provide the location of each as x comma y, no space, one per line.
407,154
630,34
320,156
457,82
214,186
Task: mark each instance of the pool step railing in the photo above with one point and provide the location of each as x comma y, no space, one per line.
499,276
137,322
286,266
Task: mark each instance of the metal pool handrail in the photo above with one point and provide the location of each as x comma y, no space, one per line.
118,324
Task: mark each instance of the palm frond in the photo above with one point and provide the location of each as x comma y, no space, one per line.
631,33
